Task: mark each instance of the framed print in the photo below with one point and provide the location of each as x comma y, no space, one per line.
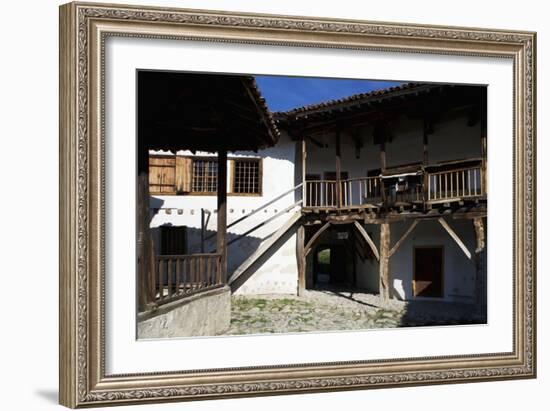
260,204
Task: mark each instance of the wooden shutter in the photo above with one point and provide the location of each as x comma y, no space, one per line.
184,173
162,174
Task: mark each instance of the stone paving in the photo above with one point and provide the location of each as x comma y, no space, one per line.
325,310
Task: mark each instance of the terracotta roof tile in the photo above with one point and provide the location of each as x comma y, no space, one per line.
358,98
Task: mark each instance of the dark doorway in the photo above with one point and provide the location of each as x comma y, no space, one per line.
428,272
331,265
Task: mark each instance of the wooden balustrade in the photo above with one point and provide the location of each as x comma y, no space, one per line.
443,186
353,192
321,193
177,276
455,184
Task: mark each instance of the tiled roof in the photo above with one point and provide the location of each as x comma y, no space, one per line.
354,99
260,101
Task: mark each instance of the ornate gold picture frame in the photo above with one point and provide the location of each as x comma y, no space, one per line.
84,29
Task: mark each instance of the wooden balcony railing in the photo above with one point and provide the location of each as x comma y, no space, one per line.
353,192
443,186
177,276
456,184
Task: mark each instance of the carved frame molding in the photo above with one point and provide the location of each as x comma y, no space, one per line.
83,30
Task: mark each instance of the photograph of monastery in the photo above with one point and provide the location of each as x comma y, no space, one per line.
271,204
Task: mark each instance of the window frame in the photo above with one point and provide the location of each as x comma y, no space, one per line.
231,175
234,160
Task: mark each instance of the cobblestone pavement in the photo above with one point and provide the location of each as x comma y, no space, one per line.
323,310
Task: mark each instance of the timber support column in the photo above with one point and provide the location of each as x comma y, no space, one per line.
146,288
301,260
221,235
481,274
338,170
384,263
304,185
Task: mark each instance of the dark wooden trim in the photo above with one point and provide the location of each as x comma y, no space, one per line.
221,236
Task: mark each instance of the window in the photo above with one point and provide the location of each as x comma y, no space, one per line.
169,174
205,176
173,240
246,176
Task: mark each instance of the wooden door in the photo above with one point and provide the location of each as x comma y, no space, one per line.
428,272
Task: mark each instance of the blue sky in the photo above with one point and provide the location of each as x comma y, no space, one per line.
285,93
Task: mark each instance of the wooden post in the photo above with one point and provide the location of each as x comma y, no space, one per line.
221,243
425,143
480,294
425,187
383,168
202,230
301,260
384,263
146,293
338,170
304,187
483,178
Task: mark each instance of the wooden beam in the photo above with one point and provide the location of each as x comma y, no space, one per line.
221,235
480,281
383,169
384,263
301,260
455,237
403,237
146,284
367,239
304,185
480,234
338,170
315,237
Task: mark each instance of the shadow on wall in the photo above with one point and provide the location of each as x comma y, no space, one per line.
260,261
237,252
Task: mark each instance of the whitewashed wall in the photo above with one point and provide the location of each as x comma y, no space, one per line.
277,271
277,274
452,140
458,271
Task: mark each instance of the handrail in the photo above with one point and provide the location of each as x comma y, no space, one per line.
181,275
256,210
264,222
465,182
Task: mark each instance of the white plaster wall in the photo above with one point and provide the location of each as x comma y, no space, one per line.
452,140
279,273
458,270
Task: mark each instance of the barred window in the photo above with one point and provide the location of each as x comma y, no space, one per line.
177,175
247,176
205,175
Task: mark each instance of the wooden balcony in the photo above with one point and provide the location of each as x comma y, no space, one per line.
419,190
178,276
456,185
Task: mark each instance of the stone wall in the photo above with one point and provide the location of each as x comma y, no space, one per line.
203,314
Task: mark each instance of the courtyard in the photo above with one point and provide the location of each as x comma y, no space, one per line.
331,310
